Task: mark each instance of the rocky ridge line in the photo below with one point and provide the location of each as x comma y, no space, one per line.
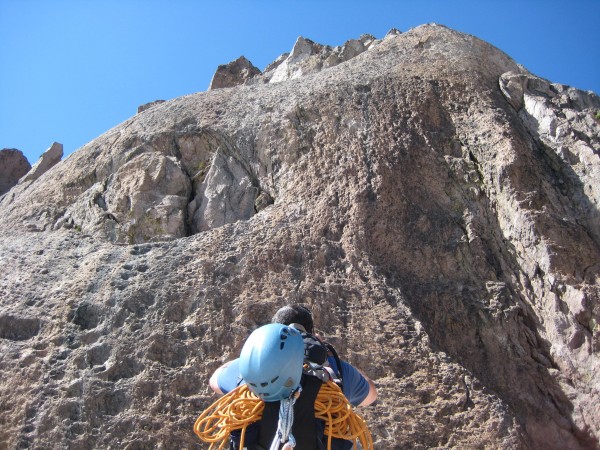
306,57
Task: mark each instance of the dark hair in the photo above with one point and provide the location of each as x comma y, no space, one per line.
294,314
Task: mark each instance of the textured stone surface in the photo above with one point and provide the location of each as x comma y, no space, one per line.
48,159
309,57
433,202
233,74
13,165
146,106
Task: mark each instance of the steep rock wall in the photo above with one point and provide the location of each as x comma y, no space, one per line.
447,244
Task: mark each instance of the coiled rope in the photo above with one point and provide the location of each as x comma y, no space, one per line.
240,408
341,421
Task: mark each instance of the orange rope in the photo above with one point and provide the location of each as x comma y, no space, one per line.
340,419
239,408
234,411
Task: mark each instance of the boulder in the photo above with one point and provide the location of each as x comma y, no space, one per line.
48,160
233,74
13,165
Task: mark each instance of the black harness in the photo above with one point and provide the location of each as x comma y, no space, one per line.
304,428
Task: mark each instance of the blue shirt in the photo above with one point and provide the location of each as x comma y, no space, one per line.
355,388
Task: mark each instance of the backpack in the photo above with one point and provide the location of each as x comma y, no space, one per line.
308,431
316,353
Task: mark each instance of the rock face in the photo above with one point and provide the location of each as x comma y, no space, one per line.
48,160
13,165
305,58
560,118
233,74
146,106
434,203
309,57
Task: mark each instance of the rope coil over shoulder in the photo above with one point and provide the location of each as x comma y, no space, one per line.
240,408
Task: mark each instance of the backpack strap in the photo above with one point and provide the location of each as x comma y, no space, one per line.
339,381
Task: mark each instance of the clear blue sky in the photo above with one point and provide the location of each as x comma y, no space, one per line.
72,69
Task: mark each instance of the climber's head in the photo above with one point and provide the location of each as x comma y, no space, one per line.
295,314
271,361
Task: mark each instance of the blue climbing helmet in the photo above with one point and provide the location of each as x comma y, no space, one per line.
271,361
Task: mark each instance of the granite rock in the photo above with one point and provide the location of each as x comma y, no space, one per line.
149,105
13,165
48,159
233,74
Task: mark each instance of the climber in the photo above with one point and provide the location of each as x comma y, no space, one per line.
356,386
271,362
